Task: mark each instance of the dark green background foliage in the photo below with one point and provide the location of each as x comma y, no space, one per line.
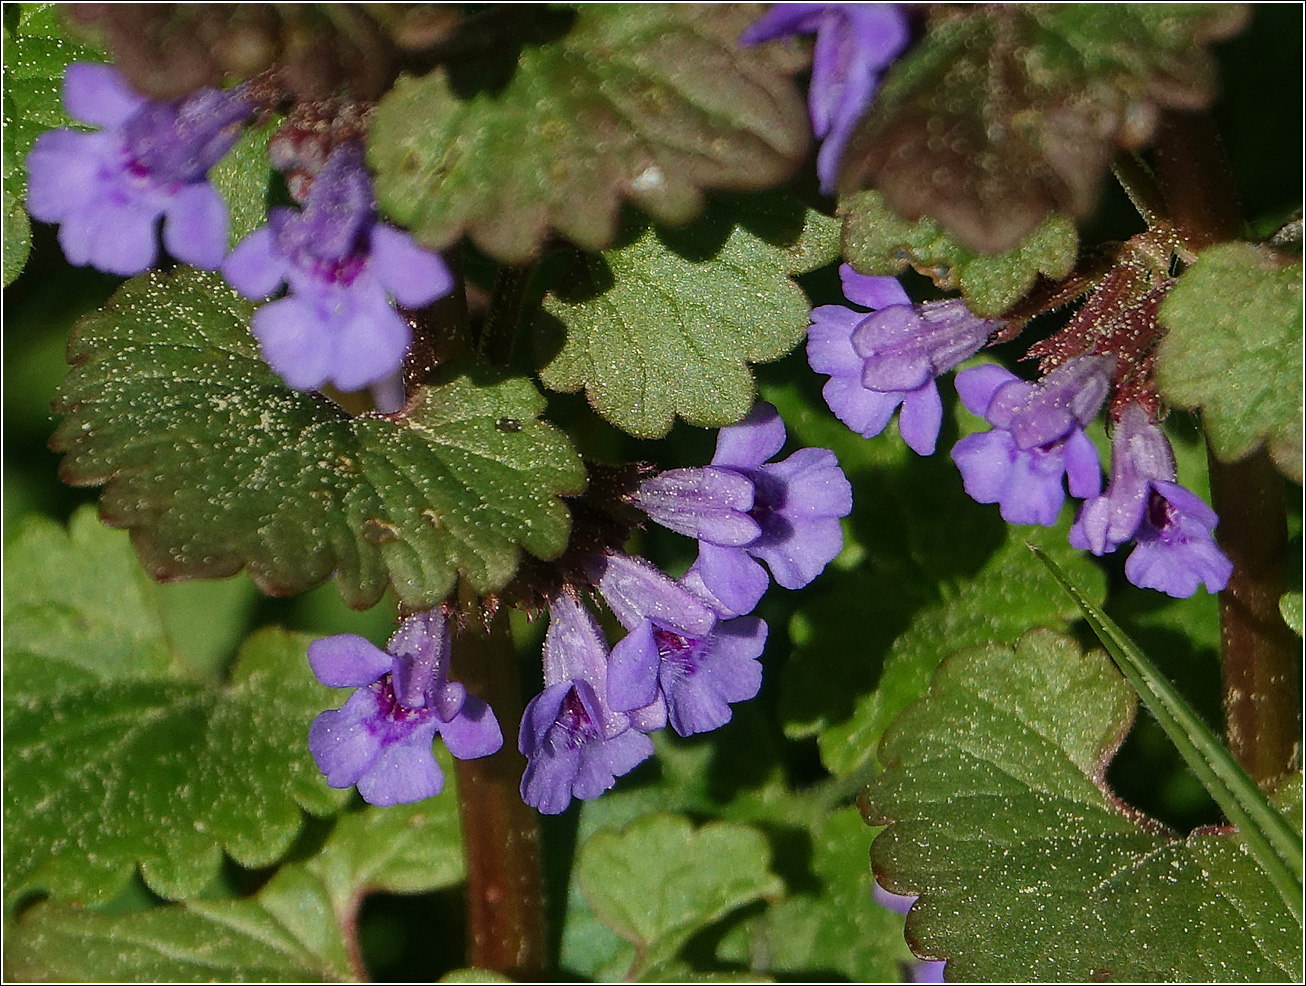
163,819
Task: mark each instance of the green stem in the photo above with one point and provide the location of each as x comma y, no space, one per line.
1258,651
505,891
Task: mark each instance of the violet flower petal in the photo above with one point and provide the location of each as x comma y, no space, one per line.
732,576
474,732
1083,470
746,445
404,770
369,342
99,95
347,660
254,268
783,19
64,172
636,591
633,670
414,276
702,679
601,764
977,386
870,291
921,419
195,226
287,332
709,504
342,741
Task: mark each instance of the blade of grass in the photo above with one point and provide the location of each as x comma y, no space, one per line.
1271,840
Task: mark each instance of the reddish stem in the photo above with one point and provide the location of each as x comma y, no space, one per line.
505,893
1262,706
1258,651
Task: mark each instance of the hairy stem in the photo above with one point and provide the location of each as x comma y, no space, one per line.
1262,706
1258,652
505,894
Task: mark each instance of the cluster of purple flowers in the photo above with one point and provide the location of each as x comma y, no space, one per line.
689,652
344,269
1037,445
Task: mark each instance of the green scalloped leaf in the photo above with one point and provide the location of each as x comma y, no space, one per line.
297,928
35,57
877,241
659,881
214,465
1005,114
1234,349
993,793
114,757
666,323
650,103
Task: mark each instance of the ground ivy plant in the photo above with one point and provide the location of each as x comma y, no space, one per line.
652,492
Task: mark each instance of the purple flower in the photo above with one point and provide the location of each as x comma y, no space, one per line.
854,43
1171,527
742,507
890,357
677,649
576,745
108,189
1037,437
380,739
923,970
337,323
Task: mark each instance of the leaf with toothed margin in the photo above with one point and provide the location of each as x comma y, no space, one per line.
647,103
994,796
297,928
878,242
115,756
1004,114
666,323
214,465
1234,349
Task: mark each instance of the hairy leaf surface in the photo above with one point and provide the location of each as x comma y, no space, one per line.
876,241
1006,114
999,819
1234,349
647,103
666,323
115,757
214,465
